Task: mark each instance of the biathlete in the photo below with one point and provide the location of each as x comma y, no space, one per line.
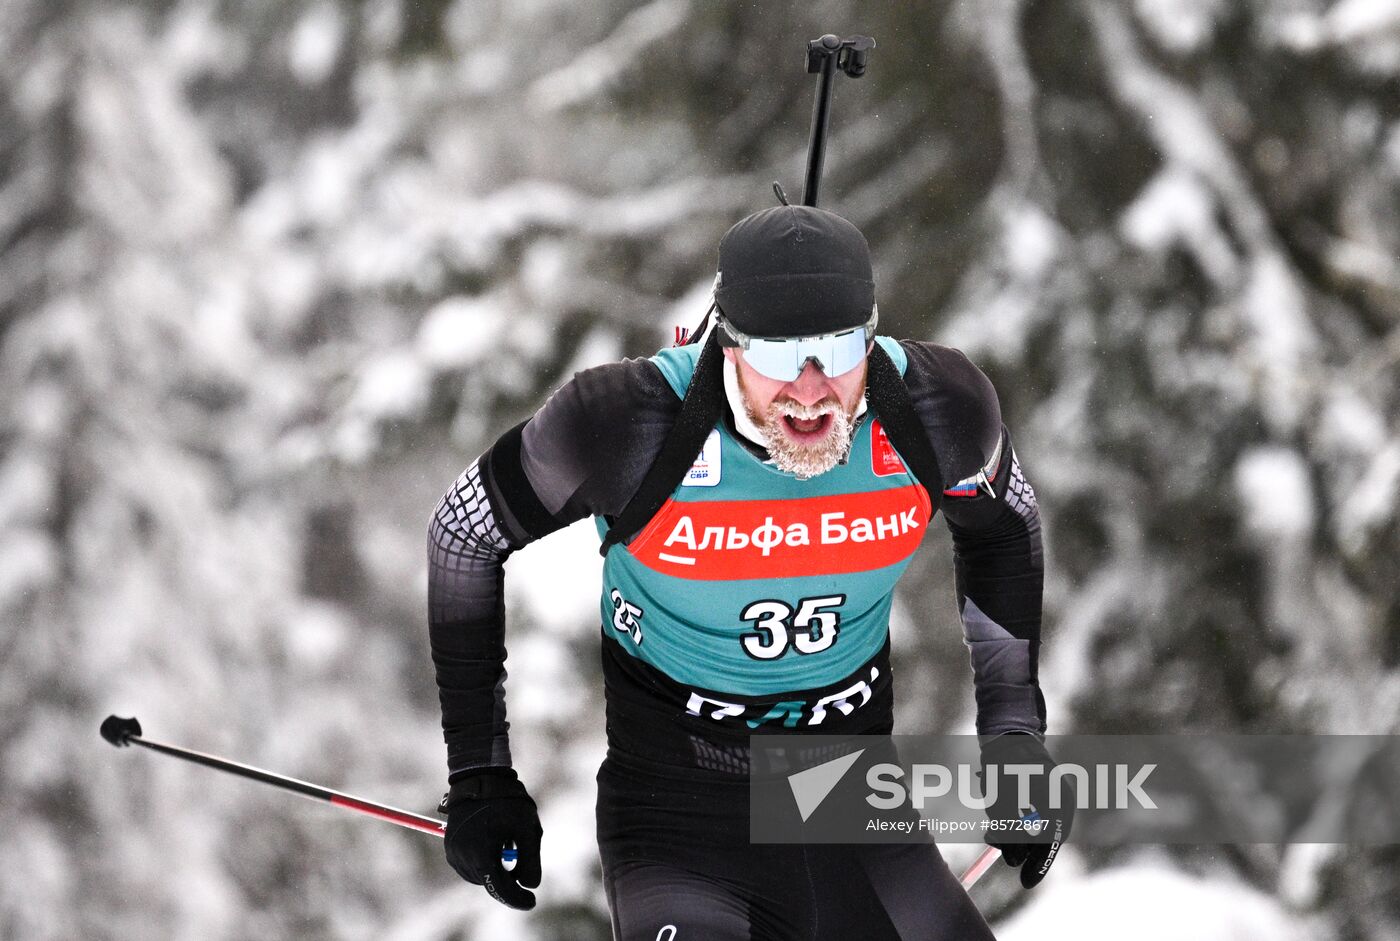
755,598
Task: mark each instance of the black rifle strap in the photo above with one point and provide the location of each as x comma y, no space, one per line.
888,397
700,412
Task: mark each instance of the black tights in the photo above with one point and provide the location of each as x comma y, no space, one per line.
678,866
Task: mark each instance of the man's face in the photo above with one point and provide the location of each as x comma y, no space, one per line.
807,422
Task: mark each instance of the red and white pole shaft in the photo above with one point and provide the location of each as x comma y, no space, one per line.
121,732
979,866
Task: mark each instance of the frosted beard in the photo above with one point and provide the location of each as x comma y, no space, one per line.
803,459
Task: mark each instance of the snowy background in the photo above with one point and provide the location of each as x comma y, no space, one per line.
272,272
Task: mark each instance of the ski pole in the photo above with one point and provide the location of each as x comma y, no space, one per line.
979,866
122,732
824,57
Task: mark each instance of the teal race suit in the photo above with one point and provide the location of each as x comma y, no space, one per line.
753,588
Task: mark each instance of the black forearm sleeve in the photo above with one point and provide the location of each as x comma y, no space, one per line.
466,622
1000,577
581,454
491,510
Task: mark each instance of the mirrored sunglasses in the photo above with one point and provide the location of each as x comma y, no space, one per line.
783,359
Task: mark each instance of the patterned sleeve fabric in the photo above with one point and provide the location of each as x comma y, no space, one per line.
1000,575
991,511
466,614
582,454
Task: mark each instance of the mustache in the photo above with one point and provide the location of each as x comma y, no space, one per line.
786,406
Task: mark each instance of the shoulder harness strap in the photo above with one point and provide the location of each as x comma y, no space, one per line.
700,411
889,398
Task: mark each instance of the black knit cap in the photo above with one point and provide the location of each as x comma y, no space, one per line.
794,271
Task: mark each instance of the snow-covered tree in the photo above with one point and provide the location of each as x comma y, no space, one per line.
271,274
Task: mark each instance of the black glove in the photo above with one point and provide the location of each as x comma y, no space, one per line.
1030,836
487,810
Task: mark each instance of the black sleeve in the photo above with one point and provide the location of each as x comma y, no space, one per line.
586,452
582,454
991,511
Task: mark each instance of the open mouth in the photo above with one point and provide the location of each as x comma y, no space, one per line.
807,429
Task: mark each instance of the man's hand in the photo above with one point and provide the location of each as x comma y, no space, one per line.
1028,834
488,810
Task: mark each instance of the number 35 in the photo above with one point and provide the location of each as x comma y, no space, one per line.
811,629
